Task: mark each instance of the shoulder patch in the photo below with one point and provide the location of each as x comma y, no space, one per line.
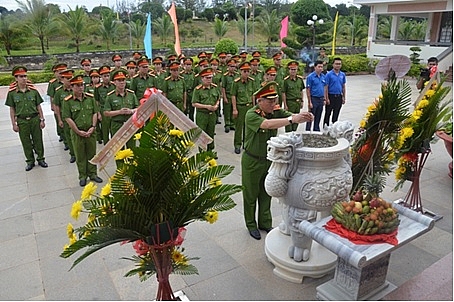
251,78
12,89
110,92
226,73
129,90
237,79
89,94
214,85
276,107
135,76
300,76
287,77
199,86
68,97
180,77
168,78
59,87
31,86
98,85
52,80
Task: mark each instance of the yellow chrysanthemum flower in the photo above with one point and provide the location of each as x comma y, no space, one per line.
371,107
122,154
76,209
429,93
362,124
215,182
88,191
137,136
188,144
211,216
380,96
72,239
179,258
69,230
212,163
407,132
193,173
391,156
105,191
423,103
65,247
176,132
416,114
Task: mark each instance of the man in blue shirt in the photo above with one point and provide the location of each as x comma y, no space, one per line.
315,90
335,89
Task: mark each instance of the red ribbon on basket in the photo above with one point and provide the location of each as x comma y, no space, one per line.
148,92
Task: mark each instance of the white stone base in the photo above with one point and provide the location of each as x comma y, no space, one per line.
330,291
321,260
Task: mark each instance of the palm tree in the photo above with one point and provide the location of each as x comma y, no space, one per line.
356,28
8,33
384,27
220,28
39,18
108,27
163,26
74,24
270,26
137,31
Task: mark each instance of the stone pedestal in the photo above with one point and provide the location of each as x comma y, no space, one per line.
321,260
362,268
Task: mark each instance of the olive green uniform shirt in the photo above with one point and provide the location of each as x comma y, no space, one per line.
115,101
174,90
139,84
80,111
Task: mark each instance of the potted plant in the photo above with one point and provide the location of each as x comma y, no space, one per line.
160,187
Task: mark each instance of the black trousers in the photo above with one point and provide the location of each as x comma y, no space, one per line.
334,107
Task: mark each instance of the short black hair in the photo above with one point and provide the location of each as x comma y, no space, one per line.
432,59
318,62
337,59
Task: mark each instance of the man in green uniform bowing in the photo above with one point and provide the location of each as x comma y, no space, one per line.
27,117
81,113
262,122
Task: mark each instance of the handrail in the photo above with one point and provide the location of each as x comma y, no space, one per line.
445,53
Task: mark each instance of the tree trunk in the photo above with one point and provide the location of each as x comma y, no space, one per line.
41,39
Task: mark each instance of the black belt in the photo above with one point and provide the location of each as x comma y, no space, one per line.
255,156
27,117
317,97
335,95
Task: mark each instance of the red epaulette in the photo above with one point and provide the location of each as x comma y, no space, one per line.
276,107
31,86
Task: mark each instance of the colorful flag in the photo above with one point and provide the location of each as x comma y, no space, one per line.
284,30
147,43
333,48
173,15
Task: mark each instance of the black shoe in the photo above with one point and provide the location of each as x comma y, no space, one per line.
232,128
82,182
100,142
29,167
43,164
96,179
66,148
218,122
227,130
237,150
60,139
255,234
72,159
266,229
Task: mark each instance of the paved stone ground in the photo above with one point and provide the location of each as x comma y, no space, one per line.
34,212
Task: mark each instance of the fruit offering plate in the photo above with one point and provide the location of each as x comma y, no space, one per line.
356,238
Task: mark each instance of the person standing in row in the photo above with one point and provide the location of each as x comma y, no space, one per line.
262,122
243,89
188,75
86,66
206,100
143,79
53,84
336,91
27,118
324,58
95,81
226,89
81,113
315,91
117,60
120,104
293,92
100,96
131,66
174,87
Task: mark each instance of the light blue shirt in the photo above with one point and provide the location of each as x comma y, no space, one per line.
316,84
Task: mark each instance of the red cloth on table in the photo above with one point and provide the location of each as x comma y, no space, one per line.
337,228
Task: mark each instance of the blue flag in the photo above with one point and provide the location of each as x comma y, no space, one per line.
147,39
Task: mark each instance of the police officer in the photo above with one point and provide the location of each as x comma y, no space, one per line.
256,73
174,87
159,72
143,79
27,117
120,104
53,84
226,89
280,70
117,60
292,92
131,66
188,75
262,122
81,113
100,96
206,100
86,66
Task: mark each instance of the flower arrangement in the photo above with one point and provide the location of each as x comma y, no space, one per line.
160,187
418,130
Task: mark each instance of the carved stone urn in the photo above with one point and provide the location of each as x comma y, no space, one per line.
308,174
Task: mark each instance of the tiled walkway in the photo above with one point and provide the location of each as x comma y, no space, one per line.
35,206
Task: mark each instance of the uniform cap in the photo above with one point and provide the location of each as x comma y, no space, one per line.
293,64
181,56
59,67
277,55
136,55
19,70
236,57
171,57
174,66
269,91
142,61
202,55
78,79
245,66
157,60
243,54
254,61
119,74
271,70
204,62
188,61
85,61
214,61
256,54
131,64
116,57
231,62
209,55
322,48
104,69
206,72
67,73
94,73
222,55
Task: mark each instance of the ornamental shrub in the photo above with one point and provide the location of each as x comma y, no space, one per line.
226,45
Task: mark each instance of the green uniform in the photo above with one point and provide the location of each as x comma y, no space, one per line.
280,75
160,77
87,79
204,118
325,60
254,167
114,102
258,76
292,89
101,92
139,84
226,83
91,89
26,106
243,92
82,112
217,77
53,84
189,81
174,90
59,100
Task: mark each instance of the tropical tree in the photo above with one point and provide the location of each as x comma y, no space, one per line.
108,27
270,26
137,32
8,33
384,27
74,24
220,28
355,27
39,19
163,27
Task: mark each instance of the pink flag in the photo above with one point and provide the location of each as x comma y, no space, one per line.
173,15
284,30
